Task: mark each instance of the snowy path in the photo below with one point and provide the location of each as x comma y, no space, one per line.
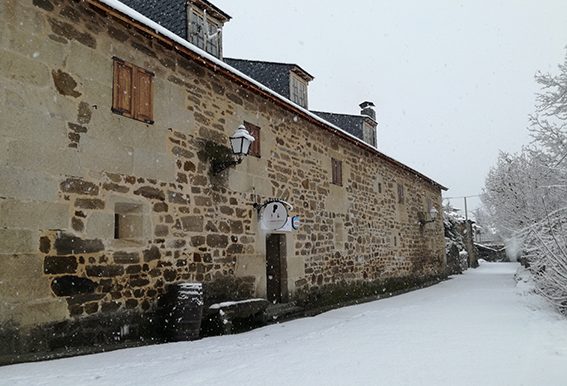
476,329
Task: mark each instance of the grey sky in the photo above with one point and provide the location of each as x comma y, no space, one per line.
452,80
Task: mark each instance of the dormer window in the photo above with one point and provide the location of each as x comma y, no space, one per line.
205,26
298,90
205,33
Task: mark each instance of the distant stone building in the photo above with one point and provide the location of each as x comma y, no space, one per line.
110,127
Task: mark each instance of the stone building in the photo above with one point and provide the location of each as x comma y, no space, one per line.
110,125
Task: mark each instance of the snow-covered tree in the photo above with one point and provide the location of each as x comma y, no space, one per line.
526,193
517,191
521,189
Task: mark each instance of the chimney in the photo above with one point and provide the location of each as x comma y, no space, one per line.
367,109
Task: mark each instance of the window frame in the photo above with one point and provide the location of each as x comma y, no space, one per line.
255,147
297,90
401,193
200,27
336,172
128,222
139,107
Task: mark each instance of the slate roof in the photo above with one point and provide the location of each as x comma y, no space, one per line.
214,64
273,75
171,14
352,124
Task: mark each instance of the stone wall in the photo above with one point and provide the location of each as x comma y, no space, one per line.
69,166
461,250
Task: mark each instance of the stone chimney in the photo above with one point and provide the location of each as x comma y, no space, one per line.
367,109
369,134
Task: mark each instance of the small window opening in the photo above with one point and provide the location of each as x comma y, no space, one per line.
128,221
401,194
337,172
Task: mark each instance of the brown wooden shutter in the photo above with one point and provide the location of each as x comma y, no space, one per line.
333,171
143,103
337,171
122,88
255,132
401,194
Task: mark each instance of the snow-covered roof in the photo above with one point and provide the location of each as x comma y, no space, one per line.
135,16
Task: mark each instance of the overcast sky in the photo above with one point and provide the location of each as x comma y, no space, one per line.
453,81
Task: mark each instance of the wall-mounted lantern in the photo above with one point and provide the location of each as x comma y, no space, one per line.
432,216
240,143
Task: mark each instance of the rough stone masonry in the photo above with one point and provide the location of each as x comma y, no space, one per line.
71,170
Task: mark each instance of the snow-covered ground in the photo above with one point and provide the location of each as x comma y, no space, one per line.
475,329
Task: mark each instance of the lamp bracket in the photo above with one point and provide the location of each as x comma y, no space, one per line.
218,166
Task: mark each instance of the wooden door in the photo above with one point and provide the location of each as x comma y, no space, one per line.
276,269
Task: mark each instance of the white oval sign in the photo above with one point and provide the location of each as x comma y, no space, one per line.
273,216
295,222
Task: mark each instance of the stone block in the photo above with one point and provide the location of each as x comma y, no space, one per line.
33,215
68,31
23,285
65,83
177,198
126,257
192,223
37,156
27,185
152,254
150,192
100,225
28,119
89,203
105,270
79,186
98,64
36,46
23,69
161,230
105,155
68,244
217,241
56,265
154,165
128,132
39,311
18,241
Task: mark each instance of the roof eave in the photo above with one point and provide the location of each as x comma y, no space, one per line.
181,45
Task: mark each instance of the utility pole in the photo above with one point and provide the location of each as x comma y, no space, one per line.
465,199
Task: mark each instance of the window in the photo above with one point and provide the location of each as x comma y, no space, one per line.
132,91
378,184
205,33
298,90
128,221
337,172
255,132
401,194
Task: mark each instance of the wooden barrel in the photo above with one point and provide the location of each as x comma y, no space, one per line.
183,321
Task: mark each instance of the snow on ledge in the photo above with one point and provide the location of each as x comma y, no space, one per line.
137,16
218,306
